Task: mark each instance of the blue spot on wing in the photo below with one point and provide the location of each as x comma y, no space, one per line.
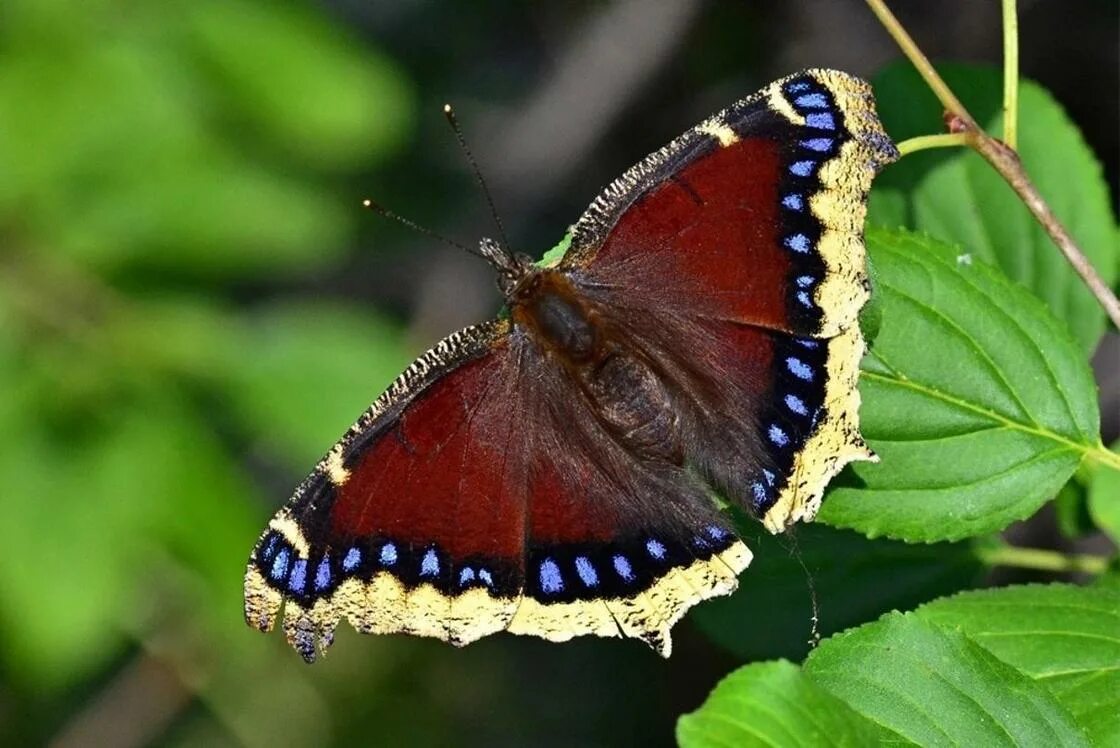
466,576
280,564
622,567
799,369
655,548
388,554
586,571
352,559
551,581
769,476
803,297
793,201
821,120
811,101
797,405
429,565
716,532
323,574
802,168
798,243
484,575
760,493
269,547
804,281
820,145
779,437
299,575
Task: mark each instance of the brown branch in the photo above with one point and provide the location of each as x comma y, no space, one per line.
1003,159
1007,162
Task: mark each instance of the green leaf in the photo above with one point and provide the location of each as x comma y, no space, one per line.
312,372
203,211
975,398
933,686
958,197
1110,580
88,507
298,80
1065,637
119,153
1104,497
773,704
856,580
909,109
1071,511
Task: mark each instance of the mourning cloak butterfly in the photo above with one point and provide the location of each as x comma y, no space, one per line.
553,471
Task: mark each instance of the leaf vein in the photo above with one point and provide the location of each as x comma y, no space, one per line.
937,394
951,325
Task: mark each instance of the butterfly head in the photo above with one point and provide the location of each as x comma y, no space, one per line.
512,268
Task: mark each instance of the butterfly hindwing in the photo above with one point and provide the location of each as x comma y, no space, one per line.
479,495
617,544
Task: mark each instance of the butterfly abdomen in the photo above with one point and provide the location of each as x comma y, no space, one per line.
634,404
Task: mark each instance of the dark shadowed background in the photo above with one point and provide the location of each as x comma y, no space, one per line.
193,306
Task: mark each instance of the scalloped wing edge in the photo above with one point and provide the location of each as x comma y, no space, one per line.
383,605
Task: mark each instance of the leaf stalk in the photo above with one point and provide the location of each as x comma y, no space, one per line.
925,142
1010,73
1042,560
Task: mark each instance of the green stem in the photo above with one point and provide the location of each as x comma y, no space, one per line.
1042,560
1006,161
1105,457
1010,74
925,142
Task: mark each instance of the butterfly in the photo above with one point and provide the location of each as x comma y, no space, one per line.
555,471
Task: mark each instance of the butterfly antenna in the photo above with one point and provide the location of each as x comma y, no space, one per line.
454,122
386,213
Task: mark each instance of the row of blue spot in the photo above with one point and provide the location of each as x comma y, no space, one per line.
791,408
288,568
793,403
817,145
780,437
814,106
552,578
297,574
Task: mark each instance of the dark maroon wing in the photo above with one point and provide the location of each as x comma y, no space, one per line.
735,255
480,494
414,521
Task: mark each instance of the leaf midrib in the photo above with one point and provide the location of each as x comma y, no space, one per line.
948,399
954,328
967,337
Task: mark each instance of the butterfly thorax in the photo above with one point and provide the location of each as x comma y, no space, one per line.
625,392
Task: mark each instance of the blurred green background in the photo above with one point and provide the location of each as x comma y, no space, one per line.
193,306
